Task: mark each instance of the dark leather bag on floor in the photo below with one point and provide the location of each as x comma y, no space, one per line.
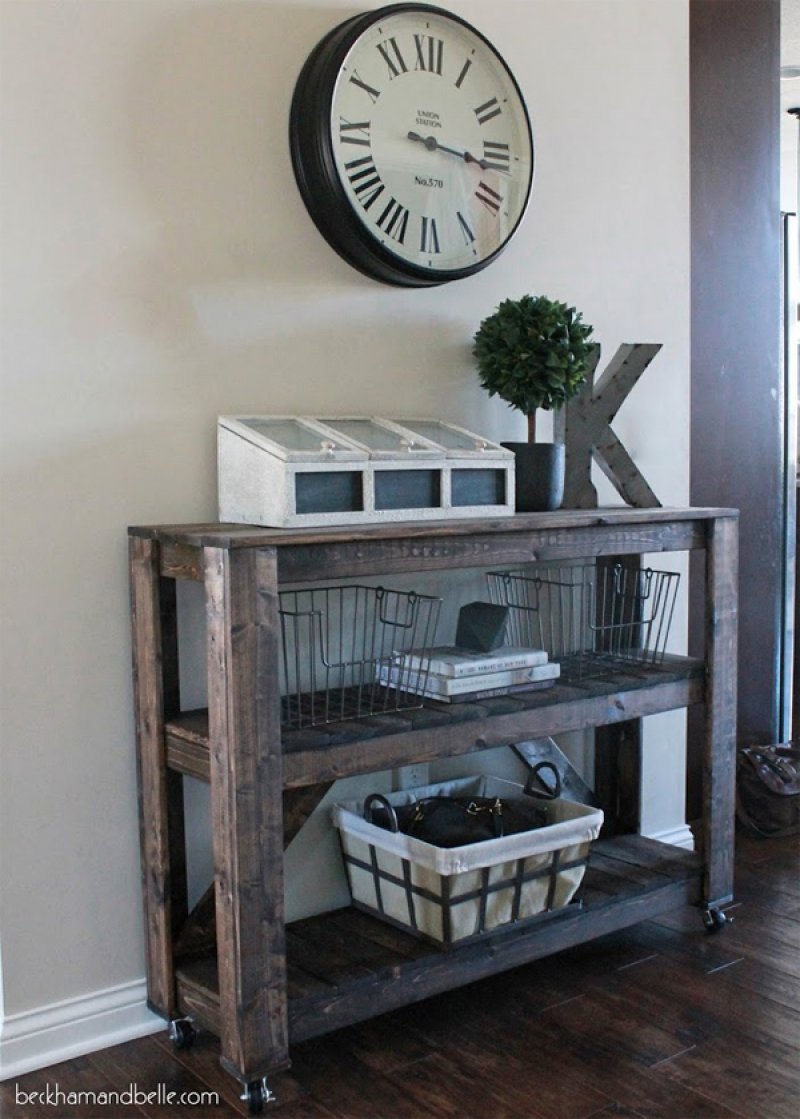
768,790
454,821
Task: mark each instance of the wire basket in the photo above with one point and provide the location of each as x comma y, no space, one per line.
339,643
457,895
593,618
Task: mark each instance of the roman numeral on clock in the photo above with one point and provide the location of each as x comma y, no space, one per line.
469,236
354,132
430,59
429,236
372,93
463,73
489,198
393,221
488,110
496,155
365,180
392,57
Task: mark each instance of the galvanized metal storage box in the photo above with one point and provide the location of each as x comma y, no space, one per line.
302,471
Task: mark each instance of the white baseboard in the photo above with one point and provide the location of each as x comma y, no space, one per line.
681,836
38,1038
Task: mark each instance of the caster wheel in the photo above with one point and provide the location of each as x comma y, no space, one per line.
714,920
182,1033
256,1094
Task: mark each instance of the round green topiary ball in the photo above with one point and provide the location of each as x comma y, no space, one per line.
533,352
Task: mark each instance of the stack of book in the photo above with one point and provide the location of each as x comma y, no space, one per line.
452,675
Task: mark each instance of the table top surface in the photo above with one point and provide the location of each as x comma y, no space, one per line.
221,535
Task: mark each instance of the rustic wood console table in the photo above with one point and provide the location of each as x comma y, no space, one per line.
269,985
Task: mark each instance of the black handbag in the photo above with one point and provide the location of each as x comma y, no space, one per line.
454,821
768,790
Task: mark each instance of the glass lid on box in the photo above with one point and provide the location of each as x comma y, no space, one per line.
291,433
447,436
293,438
380,438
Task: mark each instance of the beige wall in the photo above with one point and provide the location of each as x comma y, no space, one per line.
159,268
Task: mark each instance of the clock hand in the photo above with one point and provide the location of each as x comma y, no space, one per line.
432,144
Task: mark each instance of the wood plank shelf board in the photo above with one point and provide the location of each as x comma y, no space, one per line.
342,965
217,535
330,751
357,551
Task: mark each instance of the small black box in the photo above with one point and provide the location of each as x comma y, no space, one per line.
481,626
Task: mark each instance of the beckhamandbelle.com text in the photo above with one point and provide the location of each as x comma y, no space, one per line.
53,1095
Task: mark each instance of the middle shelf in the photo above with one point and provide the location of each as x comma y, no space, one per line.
435,730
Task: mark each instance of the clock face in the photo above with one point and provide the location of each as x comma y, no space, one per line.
411,145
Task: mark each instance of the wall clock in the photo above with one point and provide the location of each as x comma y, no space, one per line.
411,145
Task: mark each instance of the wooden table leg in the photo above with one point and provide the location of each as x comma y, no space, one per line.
246,804
719,758
163,850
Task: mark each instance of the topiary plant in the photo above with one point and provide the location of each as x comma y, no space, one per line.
533,352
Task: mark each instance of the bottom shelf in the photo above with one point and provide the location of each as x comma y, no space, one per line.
345,966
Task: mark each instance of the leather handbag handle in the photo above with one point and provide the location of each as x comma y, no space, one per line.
544,791
379,799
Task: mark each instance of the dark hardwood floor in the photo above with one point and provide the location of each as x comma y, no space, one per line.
661,1021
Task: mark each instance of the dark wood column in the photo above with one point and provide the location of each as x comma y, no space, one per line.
736,420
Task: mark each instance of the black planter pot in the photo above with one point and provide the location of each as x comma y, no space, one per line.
540,476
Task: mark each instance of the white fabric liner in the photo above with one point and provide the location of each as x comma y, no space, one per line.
570,831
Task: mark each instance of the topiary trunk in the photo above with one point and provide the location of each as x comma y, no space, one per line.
532,427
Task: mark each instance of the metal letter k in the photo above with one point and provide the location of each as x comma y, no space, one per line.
584,425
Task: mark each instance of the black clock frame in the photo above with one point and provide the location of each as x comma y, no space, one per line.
311,147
